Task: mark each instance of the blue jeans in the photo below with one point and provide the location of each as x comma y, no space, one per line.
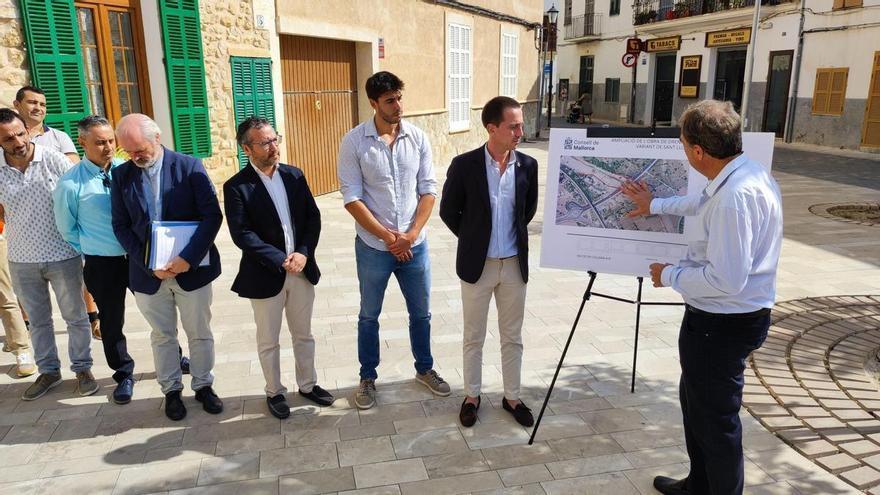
31,282
374,268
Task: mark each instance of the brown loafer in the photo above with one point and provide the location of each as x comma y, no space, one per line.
468,414
522,414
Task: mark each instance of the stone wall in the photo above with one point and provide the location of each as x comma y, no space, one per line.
227,30
13,58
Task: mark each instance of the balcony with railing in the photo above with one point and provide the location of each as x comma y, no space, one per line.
648,11
583,26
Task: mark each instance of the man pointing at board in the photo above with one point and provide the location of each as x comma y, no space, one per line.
728,282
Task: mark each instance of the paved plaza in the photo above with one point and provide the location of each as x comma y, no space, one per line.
809,427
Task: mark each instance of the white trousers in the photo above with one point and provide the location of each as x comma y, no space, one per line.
502,278
296,299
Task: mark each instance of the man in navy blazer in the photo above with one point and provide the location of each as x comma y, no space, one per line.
489,198
158,184
273,218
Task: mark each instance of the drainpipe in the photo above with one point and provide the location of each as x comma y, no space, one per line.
792,100
750,65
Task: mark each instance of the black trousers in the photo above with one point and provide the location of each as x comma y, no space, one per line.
713,349
106,278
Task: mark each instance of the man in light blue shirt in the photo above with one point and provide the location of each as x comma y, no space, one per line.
728,282
82,214
387,180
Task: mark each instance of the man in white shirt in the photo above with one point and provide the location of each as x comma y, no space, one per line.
39,257
728,282
273,218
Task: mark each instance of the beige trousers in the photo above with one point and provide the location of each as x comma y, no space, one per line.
503,279
13,323
296,300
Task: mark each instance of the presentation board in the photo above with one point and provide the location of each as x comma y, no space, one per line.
585,214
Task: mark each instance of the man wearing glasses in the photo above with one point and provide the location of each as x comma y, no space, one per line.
82,215
158,184
273,218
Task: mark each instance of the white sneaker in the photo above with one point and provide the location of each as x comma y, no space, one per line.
25,364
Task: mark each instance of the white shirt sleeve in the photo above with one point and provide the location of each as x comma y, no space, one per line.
684,206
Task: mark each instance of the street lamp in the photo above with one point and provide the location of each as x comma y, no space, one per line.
552,15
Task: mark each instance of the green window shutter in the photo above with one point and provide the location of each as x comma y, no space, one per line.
252,92
185,68
55,60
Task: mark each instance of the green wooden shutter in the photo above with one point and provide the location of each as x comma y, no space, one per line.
252,92
55,59
185,68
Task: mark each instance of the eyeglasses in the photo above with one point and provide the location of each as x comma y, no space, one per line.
265,144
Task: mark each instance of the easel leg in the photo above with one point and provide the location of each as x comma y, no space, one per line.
562,357
632,387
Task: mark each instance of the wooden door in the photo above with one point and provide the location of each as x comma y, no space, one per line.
776,99
320,104
871,127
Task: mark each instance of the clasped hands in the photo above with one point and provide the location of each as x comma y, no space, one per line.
172,269
400,244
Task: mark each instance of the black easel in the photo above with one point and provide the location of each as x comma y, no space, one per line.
611,132
587,295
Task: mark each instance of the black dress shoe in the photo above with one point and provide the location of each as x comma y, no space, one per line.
174,408
670,486
278,406
319,396
468,414
522,414
210,402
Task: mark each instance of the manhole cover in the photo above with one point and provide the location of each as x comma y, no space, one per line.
861,213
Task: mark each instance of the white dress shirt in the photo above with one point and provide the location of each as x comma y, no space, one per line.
30,219
390,181
731,266
502,199
275,187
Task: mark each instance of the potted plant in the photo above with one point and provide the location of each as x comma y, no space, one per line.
682,9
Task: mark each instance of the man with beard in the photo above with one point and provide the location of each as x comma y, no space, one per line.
387,180
82,214
30,102
273,218
158,184
493,248
39,256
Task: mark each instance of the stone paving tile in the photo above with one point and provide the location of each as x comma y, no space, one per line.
446,465
315,482
386,473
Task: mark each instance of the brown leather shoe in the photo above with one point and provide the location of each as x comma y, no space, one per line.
468,414
522,414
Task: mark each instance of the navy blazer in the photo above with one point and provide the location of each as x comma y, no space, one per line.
187,194
256,229
465,209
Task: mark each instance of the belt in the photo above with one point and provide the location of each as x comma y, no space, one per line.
95,256
502,259
753,314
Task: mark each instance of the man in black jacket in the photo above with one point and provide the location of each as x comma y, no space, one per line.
273,218
490,196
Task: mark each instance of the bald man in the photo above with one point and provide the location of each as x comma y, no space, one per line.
158,184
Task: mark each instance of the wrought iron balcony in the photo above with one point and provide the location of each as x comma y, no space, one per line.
647,11
584,25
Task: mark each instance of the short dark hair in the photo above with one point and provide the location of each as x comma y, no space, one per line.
88,122
493,111
380,83
252,122
8,115
19,95
714,126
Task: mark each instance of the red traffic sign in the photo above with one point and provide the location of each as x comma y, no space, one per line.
629,59
634,45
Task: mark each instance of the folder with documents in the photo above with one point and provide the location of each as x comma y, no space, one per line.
167,240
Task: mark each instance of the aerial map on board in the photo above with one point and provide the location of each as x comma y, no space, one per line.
589,192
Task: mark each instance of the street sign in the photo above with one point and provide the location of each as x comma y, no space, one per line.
633,45
629,59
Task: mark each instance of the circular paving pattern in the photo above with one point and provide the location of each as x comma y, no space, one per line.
858,213
807,384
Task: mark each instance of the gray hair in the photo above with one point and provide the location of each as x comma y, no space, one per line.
714,126
140,124
89,122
